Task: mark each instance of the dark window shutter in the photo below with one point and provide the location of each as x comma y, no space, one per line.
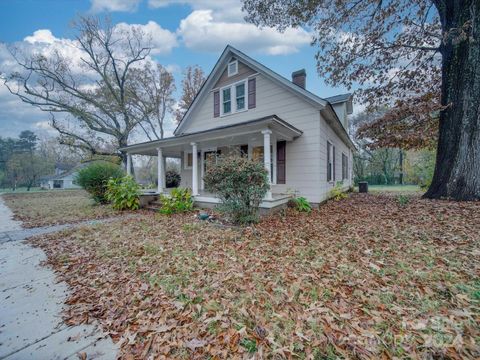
216,104
281,162
329,168
333,152
252,93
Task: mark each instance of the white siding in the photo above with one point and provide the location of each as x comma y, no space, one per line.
341,110
305,156
327,134
302,171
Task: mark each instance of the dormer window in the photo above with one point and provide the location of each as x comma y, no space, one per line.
233,98
240,96
233,68
227,101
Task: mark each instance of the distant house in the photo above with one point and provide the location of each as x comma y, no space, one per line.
62,179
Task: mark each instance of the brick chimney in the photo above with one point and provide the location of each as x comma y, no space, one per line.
299,78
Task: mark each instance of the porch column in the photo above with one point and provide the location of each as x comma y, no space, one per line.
129,164
194,169
267,159
161,170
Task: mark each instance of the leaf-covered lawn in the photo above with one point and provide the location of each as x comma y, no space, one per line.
364,278
55,207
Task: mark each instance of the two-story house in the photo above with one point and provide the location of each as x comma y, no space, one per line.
246,107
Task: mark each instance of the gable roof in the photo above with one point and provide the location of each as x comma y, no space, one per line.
212,78
343,98
338,98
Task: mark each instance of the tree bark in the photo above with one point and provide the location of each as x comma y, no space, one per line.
457,169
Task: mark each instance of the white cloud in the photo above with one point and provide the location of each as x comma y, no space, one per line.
173,68
226,10
41,36
16,115
114,5
200,31
162,40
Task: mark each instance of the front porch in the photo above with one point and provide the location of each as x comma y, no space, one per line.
205,199
261,140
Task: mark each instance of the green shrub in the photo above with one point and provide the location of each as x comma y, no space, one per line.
302,205
337,193
403,200
123,193
180,200
240,184
94,178
172,178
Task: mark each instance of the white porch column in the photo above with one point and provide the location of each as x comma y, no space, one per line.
194,169
129,164
161,171
267,159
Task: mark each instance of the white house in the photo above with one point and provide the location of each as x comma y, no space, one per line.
62,179
246,107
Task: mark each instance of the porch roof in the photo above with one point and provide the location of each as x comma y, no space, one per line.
172,146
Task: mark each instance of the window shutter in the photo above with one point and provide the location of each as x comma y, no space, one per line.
281,162
329,168
216,104
333,153
252,93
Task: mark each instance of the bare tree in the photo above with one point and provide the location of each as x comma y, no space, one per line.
98,93
153,98
193,79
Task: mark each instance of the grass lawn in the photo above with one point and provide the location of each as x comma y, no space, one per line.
394,188
19,190
366,277
55,207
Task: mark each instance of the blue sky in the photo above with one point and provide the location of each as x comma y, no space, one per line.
186,32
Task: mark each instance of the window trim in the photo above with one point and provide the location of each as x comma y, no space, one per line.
222,101
236,68
244,96
233,97
185,160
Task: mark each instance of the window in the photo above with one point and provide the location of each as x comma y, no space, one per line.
240,95
257,155
330,156
244,150
344,167
233,98
233,68
188,160
227,101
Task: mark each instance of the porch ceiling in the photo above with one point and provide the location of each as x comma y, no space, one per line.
221,136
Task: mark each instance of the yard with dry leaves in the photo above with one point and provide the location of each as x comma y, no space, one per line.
366,277
45,208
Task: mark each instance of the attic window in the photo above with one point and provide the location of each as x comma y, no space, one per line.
233,68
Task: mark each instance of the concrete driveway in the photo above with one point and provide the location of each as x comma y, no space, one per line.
31,302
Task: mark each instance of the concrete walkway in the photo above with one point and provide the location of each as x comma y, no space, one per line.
31,302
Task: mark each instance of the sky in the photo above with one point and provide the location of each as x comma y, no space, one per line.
184,32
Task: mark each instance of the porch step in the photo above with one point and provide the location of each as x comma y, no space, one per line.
154,205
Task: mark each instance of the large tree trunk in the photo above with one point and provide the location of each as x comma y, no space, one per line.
457,169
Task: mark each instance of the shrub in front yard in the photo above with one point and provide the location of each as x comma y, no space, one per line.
180,200
123,193
302,204
240,184
94,178
172,178
337,193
